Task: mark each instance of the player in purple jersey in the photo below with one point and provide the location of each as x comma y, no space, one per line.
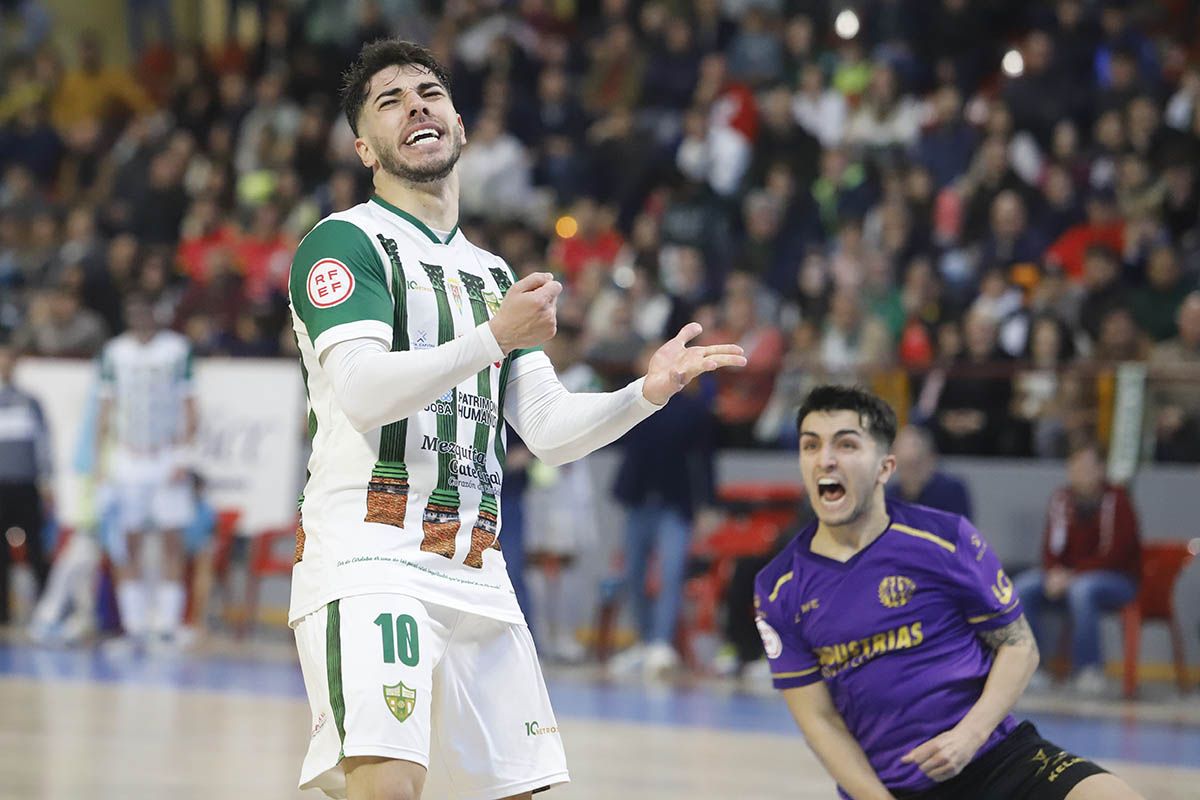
896,637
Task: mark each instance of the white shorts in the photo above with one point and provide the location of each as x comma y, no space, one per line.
391,676
145,497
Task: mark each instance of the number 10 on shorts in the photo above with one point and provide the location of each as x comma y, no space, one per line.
399,638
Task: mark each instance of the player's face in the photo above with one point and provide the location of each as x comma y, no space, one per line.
408,126
842,466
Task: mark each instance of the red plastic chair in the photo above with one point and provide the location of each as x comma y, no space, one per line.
1162,562
737,537
223,538
266,562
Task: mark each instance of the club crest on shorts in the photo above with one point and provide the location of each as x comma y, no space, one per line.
401,700
896,590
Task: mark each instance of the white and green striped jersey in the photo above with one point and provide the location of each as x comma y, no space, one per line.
412,507
147,383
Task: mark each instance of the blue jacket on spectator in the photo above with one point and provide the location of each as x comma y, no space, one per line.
669,457
943,492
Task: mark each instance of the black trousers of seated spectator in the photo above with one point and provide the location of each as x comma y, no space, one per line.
1184,446
21,507
740,630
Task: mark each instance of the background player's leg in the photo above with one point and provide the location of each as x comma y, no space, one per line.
131,587
1103,787
373,778
173,509
169,595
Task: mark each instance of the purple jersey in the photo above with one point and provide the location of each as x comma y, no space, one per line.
892,632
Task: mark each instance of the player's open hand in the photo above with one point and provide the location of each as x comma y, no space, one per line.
674,365
946,754
528,314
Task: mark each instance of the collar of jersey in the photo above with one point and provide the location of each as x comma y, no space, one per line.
416,223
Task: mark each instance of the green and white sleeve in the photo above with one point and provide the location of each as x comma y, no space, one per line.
339,286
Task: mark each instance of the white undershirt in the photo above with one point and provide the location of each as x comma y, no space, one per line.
375,386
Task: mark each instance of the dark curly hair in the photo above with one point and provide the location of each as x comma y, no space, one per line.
377,55
876,416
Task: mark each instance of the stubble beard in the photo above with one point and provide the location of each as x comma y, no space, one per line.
391,163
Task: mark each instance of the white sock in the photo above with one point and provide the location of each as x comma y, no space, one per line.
170,600
131,602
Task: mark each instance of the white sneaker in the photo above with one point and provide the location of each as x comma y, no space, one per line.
123,647
660,660
76,629
1090,681
628,661
568,651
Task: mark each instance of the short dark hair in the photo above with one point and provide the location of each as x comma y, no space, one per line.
377,55
876,416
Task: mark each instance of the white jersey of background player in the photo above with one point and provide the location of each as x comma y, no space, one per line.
147,418
415,346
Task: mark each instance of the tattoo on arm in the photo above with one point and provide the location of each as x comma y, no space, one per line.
1014,633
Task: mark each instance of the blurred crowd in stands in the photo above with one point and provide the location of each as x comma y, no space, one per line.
982,204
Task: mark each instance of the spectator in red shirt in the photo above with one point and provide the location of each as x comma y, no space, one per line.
1091,558
596,240
264,254
204,230
742,397
1104,226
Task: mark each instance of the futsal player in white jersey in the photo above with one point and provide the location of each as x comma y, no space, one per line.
146,425
416,348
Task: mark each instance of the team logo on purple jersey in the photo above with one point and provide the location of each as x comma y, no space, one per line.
772,644
896,590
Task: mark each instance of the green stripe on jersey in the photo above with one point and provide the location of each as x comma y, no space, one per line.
387,490
441,520
394,435
485,532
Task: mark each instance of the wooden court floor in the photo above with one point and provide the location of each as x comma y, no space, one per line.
75,730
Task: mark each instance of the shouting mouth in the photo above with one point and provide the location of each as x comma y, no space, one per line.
831,491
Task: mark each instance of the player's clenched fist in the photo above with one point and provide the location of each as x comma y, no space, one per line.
527,316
